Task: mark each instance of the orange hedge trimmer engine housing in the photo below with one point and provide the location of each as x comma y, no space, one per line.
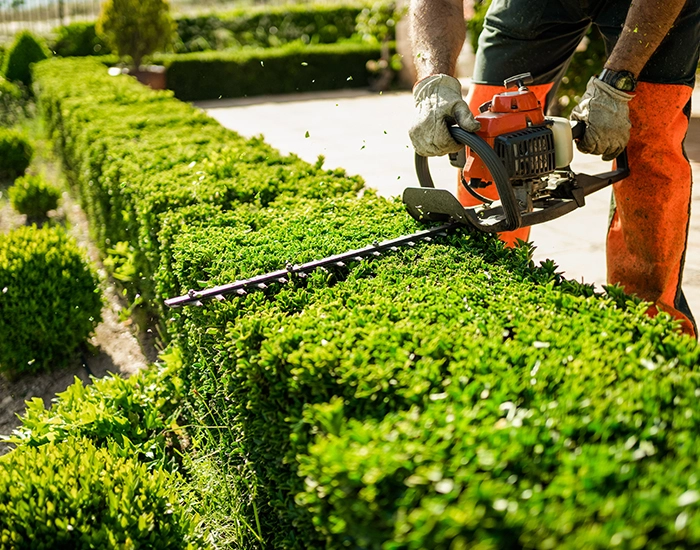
512,112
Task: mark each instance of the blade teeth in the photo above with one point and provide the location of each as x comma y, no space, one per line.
394,248
241,292
302,274
376,253
428,239
283,280
261,286
358,258
198,303
220,298
340,264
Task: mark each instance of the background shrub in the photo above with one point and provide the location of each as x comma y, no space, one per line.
25,50
74,495
267,26
49,299
136,28
291,68
34,196
12,103
78,40
15,153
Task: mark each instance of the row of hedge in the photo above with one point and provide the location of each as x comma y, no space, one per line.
256,27
288,69
450,395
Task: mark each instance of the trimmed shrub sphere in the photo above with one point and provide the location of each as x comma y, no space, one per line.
74,495
15,153
49,299
33,196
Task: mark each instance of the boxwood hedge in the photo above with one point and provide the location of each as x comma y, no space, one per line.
450,395
293,68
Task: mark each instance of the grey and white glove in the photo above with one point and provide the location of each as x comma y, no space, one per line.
439,101
605,111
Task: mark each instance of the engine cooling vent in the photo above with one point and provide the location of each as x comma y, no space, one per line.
527,153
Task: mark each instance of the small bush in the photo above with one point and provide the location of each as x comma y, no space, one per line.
74,495
25,50
12,103
138,415
15,153
136,28
49,299
79,40
33,196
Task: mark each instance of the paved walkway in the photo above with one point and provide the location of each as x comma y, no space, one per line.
367,134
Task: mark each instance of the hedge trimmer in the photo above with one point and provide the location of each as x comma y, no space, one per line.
523,153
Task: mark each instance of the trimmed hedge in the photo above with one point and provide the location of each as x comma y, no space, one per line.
451,395
74,495
135,155
12,103
288,69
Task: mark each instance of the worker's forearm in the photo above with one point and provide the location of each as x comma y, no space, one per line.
647,23
437,35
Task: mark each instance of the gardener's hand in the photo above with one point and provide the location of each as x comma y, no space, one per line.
439,102
605,111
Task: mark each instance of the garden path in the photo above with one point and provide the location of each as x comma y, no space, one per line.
367,134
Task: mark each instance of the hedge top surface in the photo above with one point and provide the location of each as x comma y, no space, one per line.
461,326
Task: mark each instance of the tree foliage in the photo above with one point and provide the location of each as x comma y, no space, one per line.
136,28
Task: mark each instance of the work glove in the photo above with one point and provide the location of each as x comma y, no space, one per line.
439,101
605,111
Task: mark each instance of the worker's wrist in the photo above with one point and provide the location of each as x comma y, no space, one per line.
621,80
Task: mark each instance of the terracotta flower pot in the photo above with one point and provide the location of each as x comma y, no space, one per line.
152,76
